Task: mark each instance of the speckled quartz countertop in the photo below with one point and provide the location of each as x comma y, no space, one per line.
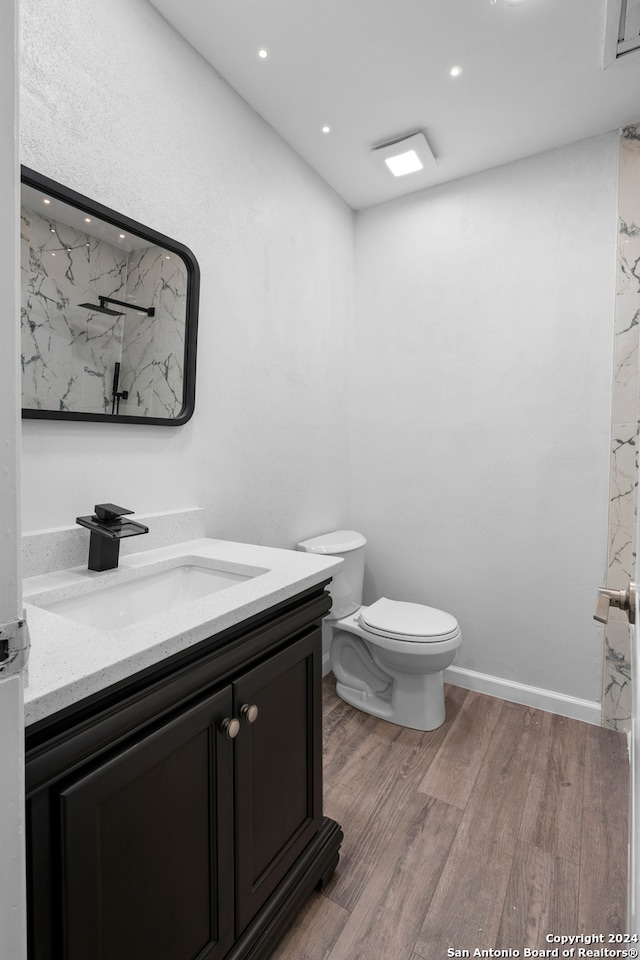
69,661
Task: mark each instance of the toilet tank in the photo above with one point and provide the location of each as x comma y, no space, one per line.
346,586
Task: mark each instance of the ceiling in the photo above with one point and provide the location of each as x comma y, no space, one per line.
378,70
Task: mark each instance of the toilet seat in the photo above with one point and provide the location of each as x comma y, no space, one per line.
411,622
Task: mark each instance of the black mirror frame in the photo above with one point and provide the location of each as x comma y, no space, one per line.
74,199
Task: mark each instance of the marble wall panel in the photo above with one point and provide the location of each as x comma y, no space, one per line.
616,698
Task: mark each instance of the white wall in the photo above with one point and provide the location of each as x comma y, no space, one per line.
13,924
117,106
481,408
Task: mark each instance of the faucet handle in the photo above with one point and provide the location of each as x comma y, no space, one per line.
109,512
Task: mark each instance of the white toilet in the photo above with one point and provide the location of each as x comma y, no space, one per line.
387,658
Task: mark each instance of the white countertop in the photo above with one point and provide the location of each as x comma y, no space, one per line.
69,661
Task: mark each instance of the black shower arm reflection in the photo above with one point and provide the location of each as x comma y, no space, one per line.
150,311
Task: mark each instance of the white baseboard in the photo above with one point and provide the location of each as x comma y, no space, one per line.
549,700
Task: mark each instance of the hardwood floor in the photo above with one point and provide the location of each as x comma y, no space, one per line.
503,826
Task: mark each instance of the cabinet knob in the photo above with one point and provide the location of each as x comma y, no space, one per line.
249,712
230,727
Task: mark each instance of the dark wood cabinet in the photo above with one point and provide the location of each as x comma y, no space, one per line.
278,792
146,844
154,833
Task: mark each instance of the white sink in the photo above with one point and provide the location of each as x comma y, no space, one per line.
119,605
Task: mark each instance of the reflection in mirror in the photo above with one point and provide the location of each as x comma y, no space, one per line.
109,313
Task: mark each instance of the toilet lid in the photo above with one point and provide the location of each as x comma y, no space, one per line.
408,621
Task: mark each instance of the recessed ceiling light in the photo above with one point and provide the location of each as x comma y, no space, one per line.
326,129
455,71
122,237
263,54
46,200
87,219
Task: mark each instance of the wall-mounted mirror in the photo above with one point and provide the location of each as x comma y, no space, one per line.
109,313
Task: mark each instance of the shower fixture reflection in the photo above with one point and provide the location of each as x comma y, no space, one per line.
117,395
101,308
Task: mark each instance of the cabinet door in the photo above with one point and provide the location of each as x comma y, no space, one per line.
278,770
146,848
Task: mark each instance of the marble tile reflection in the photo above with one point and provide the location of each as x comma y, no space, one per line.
69,353
66,349
153,347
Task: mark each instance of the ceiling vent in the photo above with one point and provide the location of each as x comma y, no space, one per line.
622,32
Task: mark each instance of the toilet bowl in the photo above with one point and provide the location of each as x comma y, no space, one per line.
388,658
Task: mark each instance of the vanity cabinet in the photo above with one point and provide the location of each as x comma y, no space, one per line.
179,815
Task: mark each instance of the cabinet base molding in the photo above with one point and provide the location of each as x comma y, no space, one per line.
311,872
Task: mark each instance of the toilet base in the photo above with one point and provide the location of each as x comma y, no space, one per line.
414,700
423,709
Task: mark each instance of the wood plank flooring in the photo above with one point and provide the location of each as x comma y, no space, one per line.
503,826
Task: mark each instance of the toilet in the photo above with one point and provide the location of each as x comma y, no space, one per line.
387,658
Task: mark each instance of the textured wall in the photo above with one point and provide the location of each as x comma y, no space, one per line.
482,408
117,106
13,920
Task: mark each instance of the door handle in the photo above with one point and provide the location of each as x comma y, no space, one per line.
623,599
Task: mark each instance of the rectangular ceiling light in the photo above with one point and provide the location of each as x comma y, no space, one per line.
405,156
403,163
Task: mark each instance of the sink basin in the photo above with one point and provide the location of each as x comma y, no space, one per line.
122,604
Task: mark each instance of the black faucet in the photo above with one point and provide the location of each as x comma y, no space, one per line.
107,530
